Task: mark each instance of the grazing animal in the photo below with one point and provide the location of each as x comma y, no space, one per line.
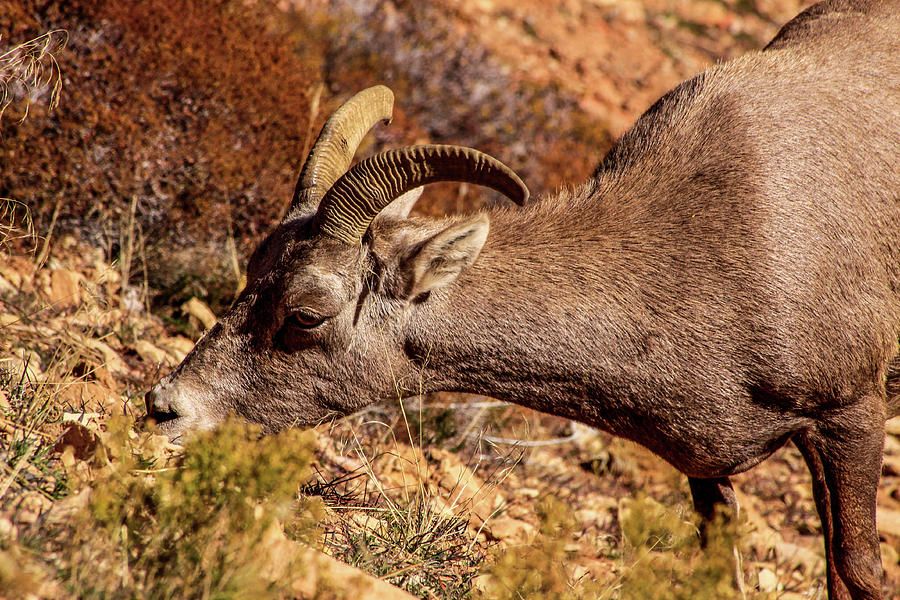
727,281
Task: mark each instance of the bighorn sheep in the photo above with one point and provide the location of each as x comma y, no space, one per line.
728,281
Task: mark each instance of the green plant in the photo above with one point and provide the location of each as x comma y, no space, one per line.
416,546
665,558
25,449
411,539
202,527
538,570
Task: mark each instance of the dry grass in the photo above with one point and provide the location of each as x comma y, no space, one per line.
385,515
30,70
16,226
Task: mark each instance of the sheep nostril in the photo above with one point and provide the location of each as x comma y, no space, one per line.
159,409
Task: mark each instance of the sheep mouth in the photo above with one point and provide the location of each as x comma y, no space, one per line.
161,417
170,424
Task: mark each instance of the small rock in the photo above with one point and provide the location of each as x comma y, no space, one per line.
486,502
630,11
24,363
111,359
482,583
84,418
7,530
31,506
892,426
89,395
598,569
154,448
111,317
706,13
891,445
579,572
80,439
6,287
178,346
768,581
103,375
367,521
318,570
511,531
528,492
762,537
199,310
459,479
889,521
798,556
67,458
593,518
889,556
65,291
787,595
151,354
11,276
890,465
440,506
64,510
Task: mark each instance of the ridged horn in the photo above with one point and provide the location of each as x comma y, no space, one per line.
337,142
362,192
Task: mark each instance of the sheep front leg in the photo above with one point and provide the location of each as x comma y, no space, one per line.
716,496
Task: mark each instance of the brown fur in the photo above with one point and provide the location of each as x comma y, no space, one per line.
728,280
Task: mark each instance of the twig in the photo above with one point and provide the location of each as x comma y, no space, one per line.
11,426
127,244
531,444
401,570
45,247
152,471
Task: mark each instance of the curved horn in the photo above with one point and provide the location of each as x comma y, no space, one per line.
360,194
337,142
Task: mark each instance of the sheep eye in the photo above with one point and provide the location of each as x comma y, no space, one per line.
306,319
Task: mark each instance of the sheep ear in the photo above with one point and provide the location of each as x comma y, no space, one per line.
399,208
441,258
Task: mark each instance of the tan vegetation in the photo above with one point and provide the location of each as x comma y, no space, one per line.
173,148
